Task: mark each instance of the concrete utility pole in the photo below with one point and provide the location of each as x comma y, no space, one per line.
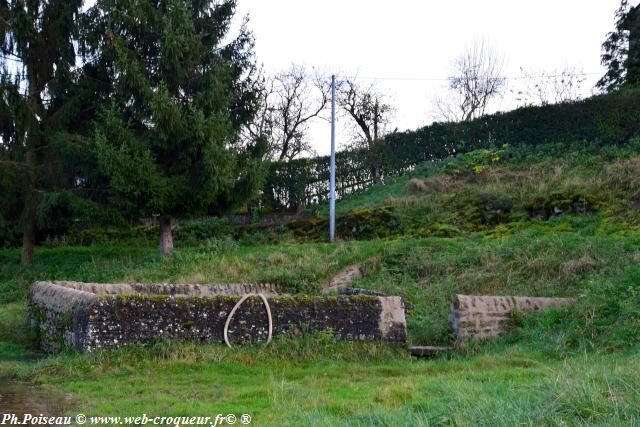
332,165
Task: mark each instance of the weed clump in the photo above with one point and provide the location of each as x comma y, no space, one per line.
434,184
581,266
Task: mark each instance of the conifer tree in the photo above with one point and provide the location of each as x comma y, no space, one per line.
37,63
621,50
182,89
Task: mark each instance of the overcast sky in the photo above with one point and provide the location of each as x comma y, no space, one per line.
406,43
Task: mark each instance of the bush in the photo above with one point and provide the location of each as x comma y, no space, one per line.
10,233
61,211
218,245
194,233
474,162
140,235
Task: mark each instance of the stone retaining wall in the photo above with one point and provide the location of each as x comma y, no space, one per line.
480,317
88,316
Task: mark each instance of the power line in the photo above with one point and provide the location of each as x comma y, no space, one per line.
541,76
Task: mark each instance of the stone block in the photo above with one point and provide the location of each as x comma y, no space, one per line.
481,317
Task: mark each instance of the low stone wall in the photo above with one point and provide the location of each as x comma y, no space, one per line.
480,317
237,289
88,316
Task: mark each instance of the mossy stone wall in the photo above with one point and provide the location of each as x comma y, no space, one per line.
109,320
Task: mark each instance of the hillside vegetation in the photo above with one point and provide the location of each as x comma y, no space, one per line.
561,220
604,120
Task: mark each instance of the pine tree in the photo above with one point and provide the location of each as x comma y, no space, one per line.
37,59
621,50
182,90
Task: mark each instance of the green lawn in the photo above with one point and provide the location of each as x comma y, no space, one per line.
352,385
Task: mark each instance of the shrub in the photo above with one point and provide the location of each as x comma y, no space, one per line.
218,245
474,162
61,211
193,233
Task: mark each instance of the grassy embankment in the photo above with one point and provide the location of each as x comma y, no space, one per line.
470,225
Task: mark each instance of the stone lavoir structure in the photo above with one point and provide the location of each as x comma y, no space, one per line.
89,316
482,317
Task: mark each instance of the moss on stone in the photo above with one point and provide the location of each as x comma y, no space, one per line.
357,224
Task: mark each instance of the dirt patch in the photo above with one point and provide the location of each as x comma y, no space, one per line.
22,399
344,278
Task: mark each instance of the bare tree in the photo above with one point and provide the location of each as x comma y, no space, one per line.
370,113
476,80
368,109
294,97
261,127
557,86
446,108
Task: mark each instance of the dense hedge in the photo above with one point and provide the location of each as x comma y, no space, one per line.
606,119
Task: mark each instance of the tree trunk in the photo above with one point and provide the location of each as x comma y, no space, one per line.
375,171
29,234
34,142
375,121
166,239
373,159
30,208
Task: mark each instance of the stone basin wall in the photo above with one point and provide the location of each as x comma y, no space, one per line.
89,316
481,317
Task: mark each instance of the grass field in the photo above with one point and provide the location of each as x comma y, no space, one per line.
322,383
572,366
